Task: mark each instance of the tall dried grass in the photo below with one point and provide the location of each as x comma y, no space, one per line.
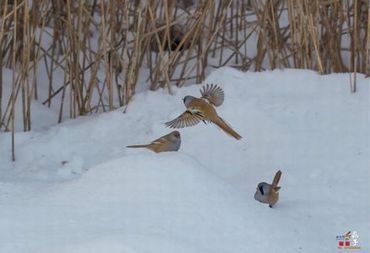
93,52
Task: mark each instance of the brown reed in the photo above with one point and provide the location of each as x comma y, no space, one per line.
94,52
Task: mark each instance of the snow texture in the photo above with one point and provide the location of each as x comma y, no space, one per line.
75,188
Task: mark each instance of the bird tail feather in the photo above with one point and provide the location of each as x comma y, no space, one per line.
226,128
276,180
137,146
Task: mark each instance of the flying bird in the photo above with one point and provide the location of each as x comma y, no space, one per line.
202,109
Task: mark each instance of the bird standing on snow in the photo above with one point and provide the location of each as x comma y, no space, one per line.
201,109
268,193
169,142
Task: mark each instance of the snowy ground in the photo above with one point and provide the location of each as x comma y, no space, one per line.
75,188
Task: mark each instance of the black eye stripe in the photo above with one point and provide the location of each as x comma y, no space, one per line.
261,190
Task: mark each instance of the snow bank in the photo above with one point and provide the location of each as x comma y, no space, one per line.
75,188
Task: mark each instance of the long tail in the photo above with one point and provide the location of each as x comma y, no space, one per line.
276,180
225,127
137,146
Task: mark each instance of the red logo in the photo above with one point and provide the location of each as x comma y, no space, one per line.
344,243
348,240
344,240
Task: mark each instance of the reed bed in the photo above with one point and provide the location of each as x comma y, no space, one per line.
93,53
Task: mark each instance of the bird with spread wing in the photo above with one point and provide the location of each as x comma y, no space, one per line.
202,109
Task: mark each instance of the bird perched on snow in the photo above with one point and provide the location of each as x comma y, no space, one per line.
168,142
268,193
202,109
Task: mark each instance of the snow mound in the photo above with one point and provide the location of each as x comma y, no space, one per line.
76,188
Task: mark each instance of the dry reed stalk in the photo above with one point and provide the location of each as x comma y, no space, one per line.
353,78
367,58
162,57
92,52
14,79
4,13
26,50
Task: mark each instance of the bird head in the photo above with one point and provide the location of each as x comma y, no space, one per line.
264,188
175,140
175,134
187,100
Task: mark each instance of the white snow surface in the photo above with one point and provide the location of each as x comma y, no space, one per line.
75,187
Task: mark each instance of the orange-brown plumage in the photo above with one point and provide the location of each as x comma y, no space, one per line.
202,109
269,193
168,142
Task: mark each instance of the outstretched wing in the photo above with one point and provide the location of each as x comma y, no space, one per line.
213,93
185,120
